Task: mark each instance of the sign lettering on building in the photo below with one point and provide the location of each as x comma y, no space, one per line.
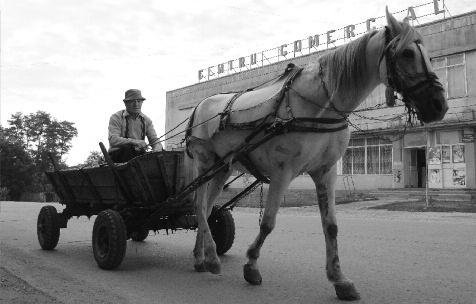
314,43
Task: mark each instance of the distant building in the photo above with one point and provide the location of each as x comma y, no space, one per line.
402,160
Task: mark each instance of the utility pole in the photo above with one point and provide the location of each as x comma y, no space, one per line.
428,144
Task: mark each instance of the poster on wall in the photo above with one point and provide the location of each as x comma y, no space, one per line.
434,180
459,177
434,155
458,153
445,154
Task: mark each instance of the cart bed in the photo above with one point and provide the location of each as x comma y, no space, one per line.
143,181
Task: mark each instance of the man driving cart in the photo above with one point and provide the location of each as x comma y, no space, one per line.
128,129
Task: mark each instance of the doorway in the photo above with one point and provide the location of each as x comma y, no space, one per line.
415,167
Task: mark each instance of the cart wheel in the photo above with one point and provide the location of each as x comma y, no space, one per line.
47,228
222,227
109,239
139,235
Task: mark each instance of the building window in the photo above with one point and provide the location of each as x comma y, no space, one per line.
368,156
451,70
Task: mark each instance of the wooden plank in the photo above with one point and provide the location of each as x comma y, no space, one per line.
66,187
118,179
59,191
91,187
165,178
139,185
140,169
105,192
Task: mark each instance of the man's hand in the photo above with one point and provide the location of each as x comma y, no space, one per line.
139,144
157,148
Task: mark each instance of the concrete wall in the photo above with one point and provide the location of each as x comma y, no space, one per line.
471,71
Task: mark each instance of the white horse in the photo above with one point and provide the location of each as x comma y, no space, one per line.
330,88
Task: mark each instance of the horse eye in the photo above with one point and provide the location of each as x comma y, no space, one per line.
408,54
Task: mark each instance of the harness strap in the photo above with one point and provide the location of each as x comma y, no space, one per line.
225,115
316,125
271,125
279,126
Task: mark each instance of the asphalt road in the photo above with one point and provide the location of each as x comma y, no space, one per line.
392,257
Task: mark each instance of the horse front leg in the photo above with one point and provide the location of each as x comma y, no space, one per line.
278,185
198,250
206,258
204,252
214,189
325,187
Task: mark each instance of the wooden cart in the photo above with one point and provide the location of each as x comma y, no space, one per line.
147,193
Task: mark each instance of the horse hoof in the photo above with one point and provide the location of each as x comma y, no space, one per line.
252,275
346,291
200,267
214,268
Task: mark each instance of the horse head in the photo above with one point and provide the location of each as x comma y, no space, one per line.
405,68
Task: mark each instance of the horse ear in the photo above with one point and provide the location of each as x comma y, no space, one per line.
392,23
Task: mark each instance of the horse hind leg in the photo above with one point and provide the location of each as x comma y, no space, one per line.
345,289
277,188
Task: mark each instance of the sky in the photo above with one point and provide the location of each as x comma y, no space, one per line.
75,59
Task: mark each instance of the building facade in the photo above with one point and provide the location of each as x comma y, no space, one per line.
383,153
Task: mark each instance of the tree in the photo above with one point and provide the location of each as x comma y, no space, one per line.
38,136
42,134
16,165
94,159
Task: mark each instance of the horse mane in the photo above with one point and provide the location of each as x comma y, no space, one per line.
346,68
406,36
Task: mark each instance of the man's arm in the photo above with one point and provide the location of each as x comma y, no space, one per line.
152,136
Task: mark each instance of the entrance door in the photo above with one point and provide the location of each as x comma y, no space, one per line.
421,167
415,168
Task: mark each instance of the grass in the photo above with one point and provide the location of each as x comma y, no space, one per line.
307,197
292,198
433,206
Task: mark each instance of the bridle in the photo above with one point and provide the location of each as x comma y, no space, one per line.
395,76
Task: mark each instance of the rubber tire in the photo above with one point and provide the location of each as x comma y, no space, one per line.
222,227
139,235
109,239
47,228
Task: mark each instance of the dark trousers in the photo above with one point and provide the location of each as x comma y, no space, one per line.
124,154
